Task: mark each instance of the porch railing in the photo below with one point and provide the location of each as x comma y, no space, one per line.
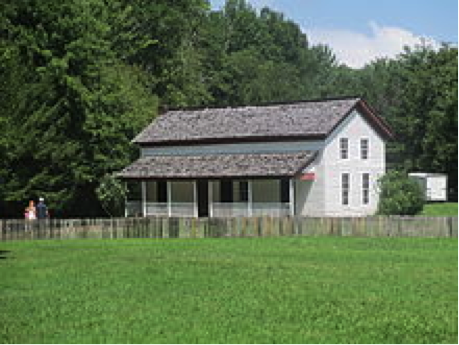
157,209
275,209
133,208
243,209
160,209
218,209
229,209
182,209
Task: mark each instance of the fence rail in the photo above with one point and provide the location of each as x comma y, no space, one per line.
157,227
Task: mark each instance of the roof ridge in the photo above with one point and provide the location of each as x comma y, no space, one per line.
261,153
302,120
266,104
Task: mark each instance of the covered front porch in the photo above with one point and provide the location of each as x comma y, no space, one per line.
215,185
212,197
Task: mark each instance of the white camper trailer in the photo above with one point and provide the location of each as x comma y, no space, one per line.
433,185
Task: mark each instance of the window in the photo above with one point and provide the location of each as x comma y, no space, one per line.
365,188
364,148
345,187
243,191
344,148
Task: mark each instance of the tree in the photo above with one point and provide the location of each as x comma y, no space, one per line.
173,62
252,57
399,195
425,116
80,108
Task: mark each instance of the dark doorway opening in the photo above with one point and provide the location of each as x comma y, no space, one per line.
285,190
203,198
226,190
161,191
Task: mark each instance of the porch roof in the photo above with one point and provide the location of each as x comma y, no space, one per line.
218,166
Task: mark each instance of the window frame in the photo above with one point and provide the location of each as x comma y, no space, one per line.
367,150
343,151
244,191
345,189
366,178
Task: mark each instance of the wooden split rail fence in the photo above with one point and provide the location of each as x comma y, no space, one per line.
395,226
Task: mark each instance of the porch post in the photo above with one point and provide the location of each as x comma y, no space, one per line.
195,199
144,198
210,197
125,200
292,196
169,198
249,198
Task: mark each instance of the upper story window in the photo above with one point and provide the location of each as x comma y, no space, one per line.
344,148
364,148
345,188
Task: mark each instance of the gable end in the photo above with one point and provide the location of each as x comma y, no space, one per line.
376,122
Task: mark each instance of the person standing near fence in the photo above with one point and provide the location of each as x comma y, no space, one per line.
42,210
30,215
31,211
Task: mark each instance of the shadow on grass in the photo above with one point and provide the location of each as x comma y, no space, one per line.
4,253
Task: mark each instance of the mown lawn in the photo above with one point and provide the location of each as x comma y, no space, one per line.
440,209
233,290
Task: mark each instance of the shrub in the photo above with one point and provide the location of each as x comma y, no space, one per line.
111,194
399,195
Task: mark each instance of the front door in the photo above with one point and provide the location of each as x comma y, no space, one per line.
203,198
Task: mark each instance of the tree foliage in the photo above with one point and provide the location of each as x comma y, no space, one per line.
111,193
73,119
399,195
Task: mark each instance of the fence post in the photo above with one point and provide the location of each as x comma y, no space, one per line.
450,226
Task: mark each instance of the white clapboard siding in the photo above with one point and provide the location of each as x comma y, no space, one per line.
269,147
355,127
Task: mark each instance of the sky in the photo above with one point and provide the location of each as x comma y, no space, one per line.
359,31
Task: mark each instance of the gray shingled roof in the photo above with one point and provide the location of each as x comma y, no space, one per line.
311,118
218,166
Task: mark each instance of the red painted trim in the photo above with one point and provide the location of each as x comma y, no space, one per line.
308,177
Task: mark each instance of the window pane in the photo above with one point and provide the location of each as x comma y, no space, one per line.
365,188
364,148
345,180
366,180
344,148
345,187
243,191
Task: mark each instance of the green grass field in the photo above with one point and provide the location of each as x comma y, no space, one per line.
233,290
440,209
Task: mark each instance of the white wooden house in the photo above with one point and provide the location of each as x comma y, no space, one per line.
312,158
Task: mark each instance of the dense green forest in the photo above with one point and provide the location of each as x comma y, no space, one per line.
79,78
